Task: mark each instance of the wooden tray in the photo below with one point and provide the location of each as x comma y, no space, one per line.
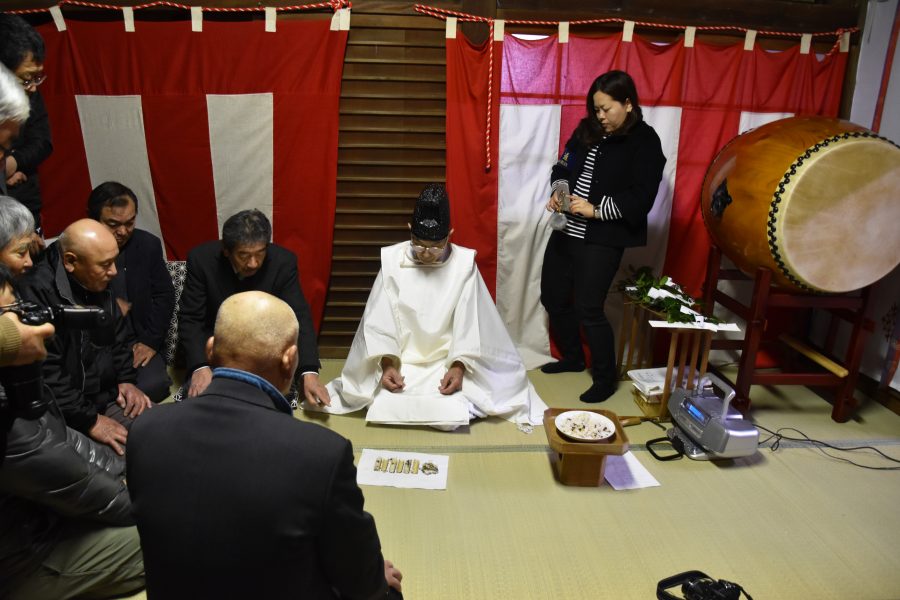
582,463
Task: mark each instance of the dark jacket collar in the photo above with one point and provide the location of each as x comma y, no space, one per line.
60,275
240,391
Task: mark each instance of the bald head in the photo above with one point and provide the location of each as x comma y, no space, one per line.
256,332
89,251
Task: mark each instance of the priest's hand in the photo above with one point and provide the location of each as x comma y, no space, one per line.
313,390
392,380
453,379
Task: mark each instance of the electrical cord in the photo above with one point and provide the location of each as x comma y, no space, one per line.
821,446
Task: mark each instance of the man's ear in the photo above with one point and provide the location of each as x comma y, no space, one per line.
69,260
288,364
210,344
289,360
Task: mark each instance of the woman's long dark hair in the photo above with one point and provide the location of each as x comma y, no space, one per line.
620,87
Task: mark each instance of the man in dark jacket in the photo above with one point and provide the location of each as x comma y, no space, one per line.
90,373
142,284
223,509
244,260
22,52
65,514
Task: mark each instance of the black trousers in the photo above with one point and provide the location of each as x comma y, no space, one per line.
575,279
153,379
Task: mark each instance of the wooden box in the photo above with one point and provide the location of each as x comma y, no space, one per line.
582,463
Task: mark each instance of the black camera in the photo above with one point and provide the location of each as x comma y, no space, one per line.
697,585
709,589
61,316
23,385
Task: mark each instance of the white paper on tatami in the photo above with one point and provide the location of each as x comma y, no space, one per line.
429,317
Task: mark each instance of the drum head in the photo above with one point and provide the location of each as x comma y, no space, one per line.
837,220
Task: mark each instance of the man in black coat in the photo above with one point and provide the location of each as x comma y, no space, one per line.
90,373
22,52
66,527
142,284
233,497
244,260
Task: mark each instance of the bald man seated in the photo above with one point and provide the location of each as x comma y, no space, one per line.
91,372
233,497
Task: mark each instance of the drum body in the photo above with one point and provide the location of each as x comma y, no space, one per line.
815,200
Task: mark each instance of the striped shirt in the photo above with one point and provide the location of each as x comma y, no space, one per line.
608,211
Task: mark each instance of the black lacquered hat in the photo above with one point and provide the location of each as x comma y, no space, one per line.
431,216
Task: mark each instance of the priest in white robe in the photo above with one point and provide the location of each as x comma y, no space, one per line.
431,348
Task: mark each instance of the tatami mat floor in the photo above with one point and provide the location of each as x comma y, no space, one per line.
789,524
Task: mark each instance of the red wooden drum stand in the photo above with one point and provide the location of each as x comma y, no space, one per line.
850,308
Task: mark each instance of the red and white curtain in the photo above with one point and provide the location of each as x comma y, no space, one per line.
200,124
697,97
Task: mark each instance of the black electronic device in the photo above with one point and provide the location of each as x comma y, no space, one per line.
23,394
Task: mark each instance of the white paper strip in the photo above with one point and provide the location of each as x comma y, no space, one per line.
270,19
115,146
529,140
498,29
128,17
196,18
628,31
241,132
58,19
805,43
689,34
450,31
367,475
704,325
751,120
344,19
563,32
749,39
845,41
335,22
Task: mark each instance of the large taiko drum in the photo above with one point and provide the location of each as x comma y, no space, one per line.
815,200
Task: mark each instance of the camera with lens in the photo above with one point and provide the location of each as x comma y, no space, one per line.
23,385
709,589
697,585
61,316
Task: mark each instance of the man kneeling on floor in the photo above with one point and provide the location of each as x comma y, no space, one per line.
233,497
431,348
66,529
90,373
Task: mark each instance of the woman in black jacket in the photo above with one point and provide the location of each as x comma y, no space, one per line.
613,166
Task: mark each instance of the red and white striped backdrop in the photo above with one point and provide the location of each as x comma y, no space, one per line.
697,98
200,125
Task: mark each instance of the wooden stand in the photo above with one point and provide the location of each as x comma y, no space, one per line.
850,308
688,352
583,463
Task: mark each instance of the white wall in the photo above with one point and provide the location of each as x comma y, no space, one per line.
874,41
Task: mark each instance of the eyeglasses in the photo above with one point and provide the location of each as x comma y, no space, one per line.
34,82
431,250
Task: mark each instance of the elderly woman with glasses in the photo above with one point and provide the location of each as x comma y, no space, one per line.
22,52
16,229
431,348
